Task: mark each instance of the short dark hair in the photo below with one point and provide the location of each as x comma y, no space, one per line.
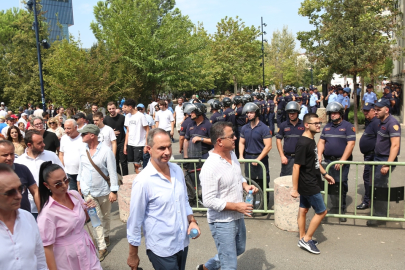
6,142
4,168
111,103
217,130
29,134
98,115
94,105
162,102
309,116
152,133
130,102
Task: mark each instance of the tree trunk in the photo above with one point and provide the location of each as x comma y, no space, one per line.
356,123
235,84
362,91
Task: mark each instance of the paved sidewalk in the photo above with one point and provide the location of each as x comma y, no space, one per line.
350,245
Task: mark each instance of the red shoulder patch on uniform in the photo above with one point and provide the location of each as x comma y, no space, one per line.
181,129
224,115
354,129
271,133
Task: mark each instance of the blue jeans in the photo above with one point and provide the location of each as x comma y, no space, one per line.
230,240
175,262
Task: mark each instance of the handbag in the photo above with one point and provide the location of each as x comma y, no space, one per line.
106,178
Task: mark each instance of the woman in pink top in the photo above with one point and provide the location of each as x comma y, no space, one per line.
61,220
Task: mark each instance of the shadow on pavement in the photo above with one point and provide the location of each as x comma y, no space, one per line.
254,259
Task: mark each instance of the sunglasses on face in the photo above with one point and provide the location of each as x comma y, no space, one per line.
65,181
230,137
84,134
12,192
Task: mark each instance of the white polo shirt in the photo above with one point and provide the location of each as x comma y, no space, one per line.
136,130
164,118
71,151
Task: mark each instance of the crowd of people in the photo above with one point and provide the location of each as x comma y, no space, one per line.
70,163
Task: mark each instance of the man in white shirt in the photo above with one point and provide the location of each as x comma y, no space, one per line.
70,145
10,123
38,112
21,244
92,185
222,190
151,123
107,135
152,107
179,114
23,119
137,132
159,206
164,118
34,156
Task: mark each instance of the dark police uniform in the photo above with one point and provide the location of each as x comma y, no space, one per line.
318,105
389,97
367,144
336,138
240,120
263,111
184,125
229,116
253,148
202,131
217,117
387,129
270,116
290,134
304,97
281,102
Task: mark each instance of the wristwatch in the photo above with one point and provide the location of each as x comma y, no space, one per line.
202,139
324,174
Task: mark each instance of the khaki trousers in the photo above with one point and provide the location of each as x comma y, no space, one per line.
103,207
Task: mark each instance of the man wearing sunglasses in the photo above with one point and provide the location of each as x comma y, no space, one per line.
19,235
26,178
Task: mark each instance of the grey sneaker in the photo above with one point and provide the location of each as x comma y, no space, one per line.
315,243
310,246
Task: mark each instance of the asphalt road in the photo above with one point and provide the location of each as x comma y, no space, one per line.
350,245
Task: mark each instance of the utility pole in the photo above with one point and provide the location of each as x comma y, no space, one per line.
263,40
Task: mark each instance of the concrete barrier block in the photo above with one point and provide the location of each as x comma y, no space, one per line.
124,196
285,207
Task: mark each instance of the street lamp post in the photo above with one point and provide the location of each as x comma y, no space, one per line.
33,6
263,40
312,78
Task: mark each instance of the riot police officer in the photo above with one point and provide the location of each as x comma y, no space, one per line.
247,97
367,144
187,121
255,143
216,115
290,131
270,111
240,120
280,101
197,139
229,113
387,148
263,107
304,96
336,143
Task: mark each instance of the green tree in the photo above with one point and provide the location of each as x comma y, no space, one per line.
350,36
235,50
153,38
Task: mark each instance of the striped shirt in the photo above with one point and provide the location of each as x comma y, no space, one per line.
221,183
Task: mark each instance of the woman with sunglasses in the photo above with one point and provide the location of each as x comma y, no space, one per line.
14,135
55,128
61,221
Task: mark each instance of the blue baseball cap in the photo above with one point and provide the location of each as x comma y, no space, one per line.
383,102
368,106
140,105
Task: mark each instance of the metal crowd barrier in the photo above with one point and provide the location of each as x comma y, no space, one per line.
201,161
377,193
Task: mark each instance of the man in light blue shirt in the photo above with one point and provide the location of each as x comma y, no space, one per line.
369,96
159,205
331,97
340,96
346,103
304,110
313,98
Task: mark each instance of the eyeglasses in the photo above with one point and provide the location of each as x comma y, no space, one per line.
65,181
38,124
53,123
230,137
316,123
12,192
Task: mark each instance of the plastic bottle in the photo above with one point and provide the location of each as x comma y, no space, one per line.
95,221
193,233
249,197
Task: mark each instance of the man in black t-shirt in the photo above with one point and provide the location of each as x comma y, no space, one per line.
116,122
307,182
51,141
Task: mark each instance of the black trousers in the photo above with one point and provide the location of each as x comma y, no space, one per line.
121,158
174,262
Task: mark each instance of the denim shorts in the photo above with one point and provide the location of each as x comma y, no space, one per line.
316,201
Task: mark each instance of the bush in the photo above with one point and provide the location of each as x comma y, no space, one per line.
360,116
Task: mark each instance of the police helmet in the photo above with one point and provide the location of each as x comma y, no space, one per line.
279,92
295,90
215,105
237,100
209,102
260,96
251,107
198,108
334,107
248,97
253,95
186,106
292,107
227,102
191,100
